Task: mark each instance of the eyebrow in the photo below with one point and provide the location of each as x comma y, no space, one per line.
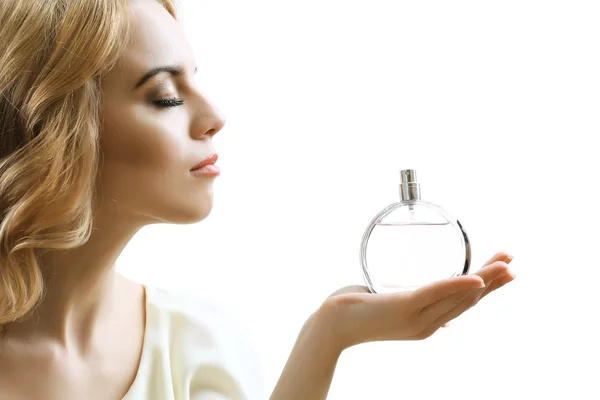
172,70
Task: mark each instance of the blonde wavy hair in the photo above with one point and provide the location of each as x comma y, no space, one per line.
55,53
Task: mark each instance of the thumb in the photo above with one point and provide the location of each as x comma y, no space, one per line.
350,289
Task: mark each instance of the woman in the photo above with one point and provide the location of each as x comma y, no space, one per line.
103,131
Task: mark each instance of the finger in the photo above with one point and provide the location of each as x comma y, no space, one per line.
492,271
463,306
500,256
498,283
432,312
469,301
439,290
444,319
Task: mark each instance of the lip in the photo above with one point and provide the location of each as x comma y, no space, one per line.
207,166
207,161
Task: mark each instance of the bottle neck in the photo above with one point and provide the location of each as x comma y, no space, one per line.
410,191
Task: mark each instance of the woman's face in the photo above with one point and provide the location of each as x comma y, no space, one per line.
157,129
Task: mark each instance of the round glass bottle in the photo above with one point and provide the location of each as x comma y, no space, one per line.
412,243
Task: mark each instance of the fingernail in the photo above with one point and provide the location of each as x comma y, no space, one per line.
509,258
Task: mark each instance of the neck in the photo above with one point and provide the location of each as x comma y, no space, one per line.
81,287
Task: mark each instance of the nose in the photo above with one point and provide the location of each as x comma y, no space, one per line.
208,120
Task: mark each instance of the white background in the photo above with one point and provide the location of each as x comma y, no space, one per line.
495,103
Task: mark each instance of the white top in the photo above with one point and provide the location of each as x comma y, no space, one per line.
194,350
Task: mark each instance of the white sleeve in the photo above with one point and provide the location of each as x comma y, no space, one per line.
240,360
225,363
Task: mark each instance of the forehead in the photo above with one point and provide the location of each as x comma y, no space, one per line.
156,40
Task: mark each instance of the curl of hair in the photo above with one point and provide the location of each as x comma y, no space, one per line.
55,53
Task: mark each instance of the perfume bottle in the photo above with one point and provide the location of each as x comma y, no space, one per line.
412,243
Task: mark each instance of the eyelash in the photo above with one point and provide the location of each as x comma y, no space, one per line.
167,103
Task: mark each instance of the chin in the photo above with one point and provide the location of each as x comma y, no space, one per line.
180,210
191,215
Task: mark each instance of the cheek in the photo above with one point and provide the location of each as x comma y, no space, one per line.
140,140
141,151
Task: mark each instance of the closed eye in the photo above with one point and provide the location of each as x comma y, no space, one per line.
168,103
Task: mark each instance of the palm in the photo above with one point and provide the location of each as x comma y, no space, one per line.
362,316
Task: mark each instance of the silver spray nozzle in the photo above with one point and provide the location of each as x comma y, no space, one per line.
410,189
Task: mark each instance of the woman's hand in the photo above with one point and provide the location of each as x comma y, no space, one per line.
353,315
